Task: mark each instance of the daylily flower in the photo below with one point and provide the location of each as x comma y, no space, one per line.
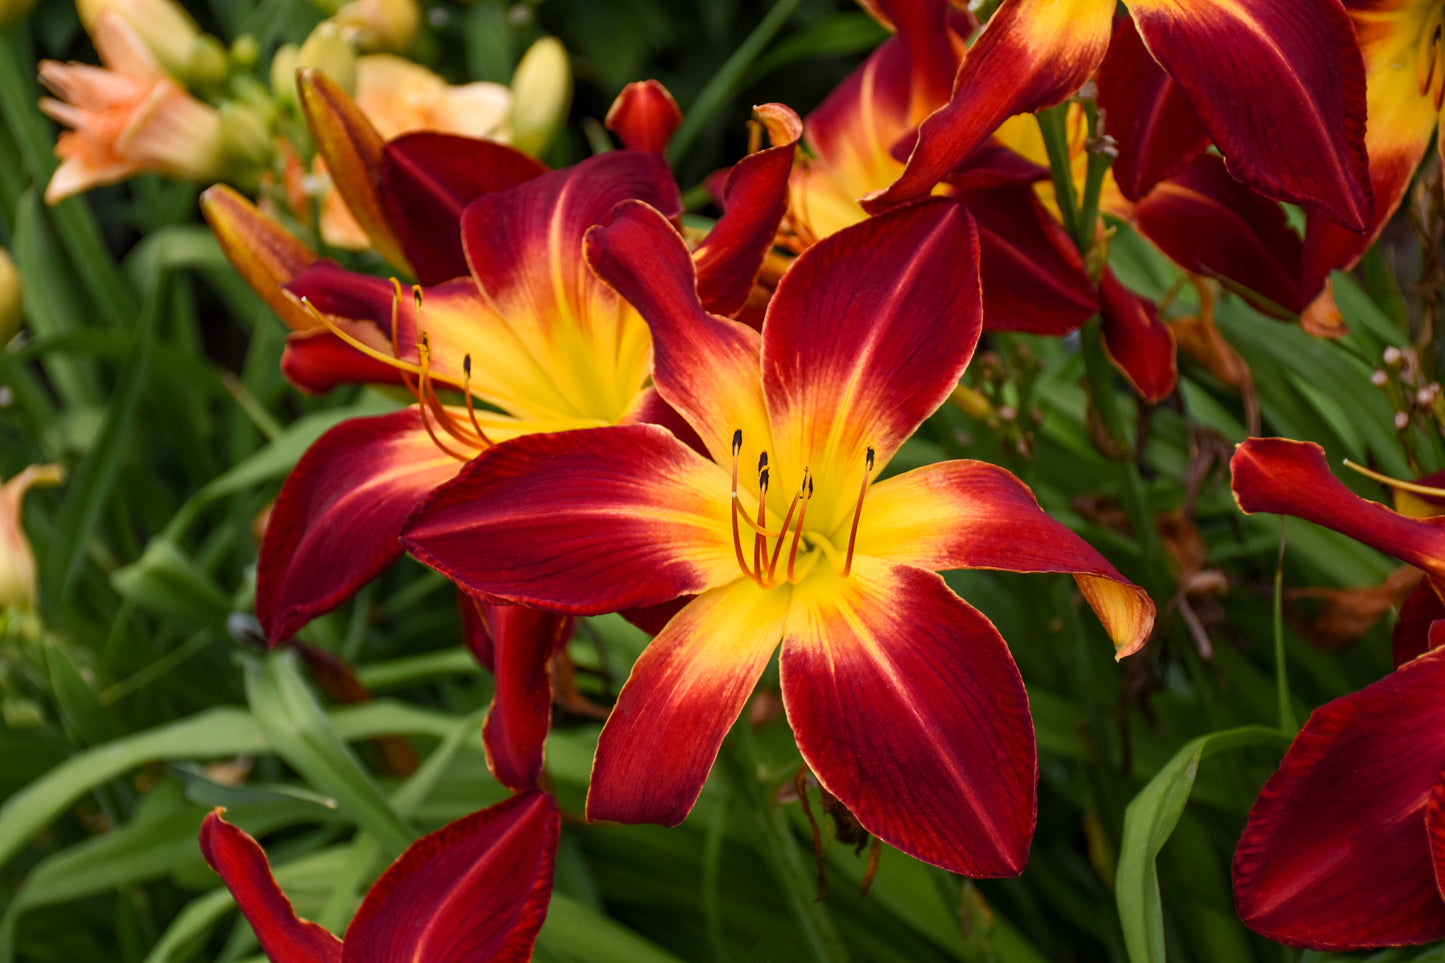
903,698
126,118
1345,847
1402,45
17,562
477,889
1277,84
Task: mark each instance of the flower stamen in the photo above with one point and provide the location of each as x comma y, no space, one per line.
759,540
737,510
858,513
787,520
1403,486
798,532
467,394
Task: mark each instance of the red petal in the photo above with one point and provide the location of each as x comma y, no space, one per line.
476,889
706,367
1210,223
474,629
1031,55
1435,826
316,361
1401,124
1139,343
336,521
866,335
754,199
969,514
908,708
524,246
1416,630
1280,86
584,521
684,693
428,177
242,864
1146,113
1033,277
644,117
1292,478
523,641
1336,854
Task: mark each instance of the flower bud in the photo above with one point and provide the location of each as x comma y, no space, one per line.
11,302
17,563
167,31
379,25
328,51
541,94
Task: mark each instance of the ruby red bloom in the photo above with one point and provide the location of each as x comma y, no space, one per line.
903,698
1278,85
1345,847
475,890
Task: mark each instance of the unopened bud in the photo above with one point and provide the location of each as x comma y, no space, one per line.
1378,378
388,25
17,563
11,299
1402,420
328,51
541,94
1392,355
167,31
245,135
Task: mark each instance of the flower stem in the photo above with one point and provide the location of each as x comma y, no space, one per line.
779,848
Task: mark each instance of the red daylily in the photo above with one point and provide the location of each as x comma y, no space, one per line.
475,890
1033,277
903,698
1345,847
1277,84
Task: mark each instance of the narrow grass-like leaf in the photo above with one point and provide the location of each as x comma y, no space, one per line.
299,732
1148,823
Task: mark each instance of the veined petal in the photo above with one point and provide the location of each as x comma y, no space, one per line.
1421,625
908,707
1336,853
316,361
866,335
1139,343
1032,54
262,251
585,521
428,178
1435,826
706,367
1292,478
644,117
754,199
854,130
476,889
351,147
1280,87
525,249
522,643
1033,278
969,514
1210,223
1148,116
336,521
1402,120
241,862
684,693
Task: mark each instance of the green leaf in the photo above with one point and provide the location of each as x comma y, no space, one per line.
1148,823
574,932
167,582
300,733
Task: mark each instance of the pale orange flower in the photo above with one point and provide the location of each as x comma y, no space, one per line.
17,564
126,117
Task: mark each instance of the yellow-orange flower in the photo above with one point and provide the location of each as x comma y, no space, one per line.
17,564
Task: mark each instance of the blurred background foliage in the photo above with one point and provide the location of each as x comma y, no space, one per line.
137,696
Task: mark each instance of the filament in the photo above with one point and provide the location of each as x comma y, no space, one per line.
858,513
798,532
1395,482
